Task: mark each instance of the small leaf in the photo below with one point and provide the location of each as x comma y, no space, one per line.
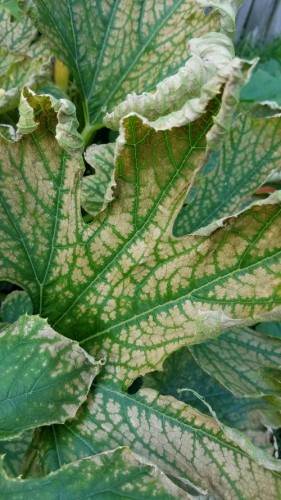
179,439
47,377
12,7
119,473
96,189
265,83
273,329
14,305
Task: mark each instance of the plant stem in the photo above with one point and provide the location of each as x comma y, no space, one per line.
88,132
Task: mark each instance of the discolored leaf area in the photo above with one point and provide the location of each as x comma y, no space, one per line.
95,187
116,47
47,377
237,360
24,59
183,442
123,286
117,473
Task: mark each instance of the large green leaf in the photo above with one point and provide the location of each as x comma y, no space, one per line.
116,47
178,291
117,473
47,377
179,439
250,152
237,360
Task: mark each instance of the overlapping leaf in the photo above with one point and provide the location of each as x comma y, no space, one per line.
237,360
116,47
124,286
265,83
96,186
182,375
47,377
14,305
24,60
273,329
182,441
14,451
117,473
249,154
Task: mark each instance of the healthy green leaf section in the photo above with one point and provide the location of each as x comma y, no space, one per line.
237,358
12,7
96,190
119,473
183,442
47,376
265,83
116,47
14,305
248,155
273,329
124,287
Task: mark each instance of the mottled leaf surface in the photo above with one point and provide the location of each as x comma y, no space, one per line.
119,473
95,186
47,376
250,152
116,47
14,451
124,287
237,358
179,439
23,59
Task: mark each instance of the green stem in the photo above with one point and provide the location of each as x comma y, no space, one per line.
89,131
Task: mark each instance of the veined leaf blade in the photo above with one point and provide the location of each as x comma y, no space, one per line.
179,439
121,46
47,376
178,290
236,359
117,473
249,154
